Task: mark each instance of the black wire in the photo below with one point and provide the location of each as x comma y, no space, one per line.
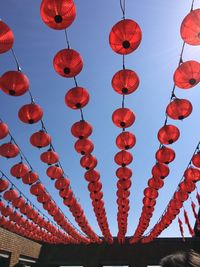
122,6
16,60
66,36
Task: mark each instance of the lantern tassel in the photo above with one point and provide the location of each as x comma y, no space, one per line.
181,229
198,198
188,223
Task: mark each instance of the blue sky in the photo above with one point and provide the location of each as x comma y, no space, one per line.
154,61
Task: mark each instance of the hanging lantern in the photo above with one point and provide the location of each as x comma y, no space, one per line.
149,202
40,139
92,176
179,109
125,82
88,162
156,183
160,170
124,184
37,189
123,117
192,174
10,195
125,140
124,173
187,186
123,158
151,193
58,14
30,177
14,83
49,157
168,134
25,208
19,170
62,183
4,184
190,29
95,186
18,202
96,195
30,113
81,129
125,37
181,196
68,63
54,172
77,98
165,155
3,130
196,160
187,75
9,150
6,211
44,197
6,37
84,146
66,193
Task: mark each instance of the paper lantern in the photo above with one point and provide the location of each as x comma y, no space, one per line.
6,37
95,186
30,113
88,162
18,202
125,140
30,177
92,176
3,130
40,139
123,117
19,170
160,170
81,129
54,172
77,98
181,196
156,183
9,150
168,134
196,160
192,174
84,146
179,109
151,193
123,158
49,157
10,195
37,189
124,184
4,184
62,183
165,155
124,173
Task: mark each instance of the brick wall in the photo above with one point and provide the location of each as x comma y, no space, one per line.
17,245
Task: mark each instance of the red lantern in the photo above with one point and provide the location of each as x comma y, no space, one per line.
125,82
168,134
196,160
62,183
40,139
3,221
88,162
30,113
4,184
25,208
165,155
58,14
95,186
179,109
66,193
49,157
68,63
37,189
30,177
10,195
125,37
19,170
92,176
125,140
3,130
81,129
18,202
6,37
156,183
187,75
124,184
96,195
6,211
160,170
151,193
123,158
84,146
187,186
181,196
77,98
192,174
44,197
123,117
149,202
190,29
9,150
124,173
123,193
2,205
54,172
14,83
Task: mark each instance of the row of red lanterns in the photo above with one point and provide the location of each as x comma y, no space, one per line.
68,63
186,76
125,37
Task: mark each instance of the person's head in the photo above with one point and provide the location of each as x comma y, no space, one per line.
181,259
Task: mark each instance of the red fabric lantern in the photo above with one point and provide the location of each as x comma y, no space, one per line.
123,158
124,173
1,204
196,160
4,184
19,170
151,193
30,113
165,155
168,134
192,174
6,211
190,29
6,37
14,83
40,139
156,183
37,189
3,130
9,150
68,63
187,186
77,98
3,221
10,195
49,157
62,183
123,193
181,196
88,162
58,14
149,202
95,186
81,129
179,109
125,37
92,176
160,170
54,172
123,117
187,75
124,184
66,193
125,140
18,202
84,146
96,195
30,177
44,197
25,208
125,82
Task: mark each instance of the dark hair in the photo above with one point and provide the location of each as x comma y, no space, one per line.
181,259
